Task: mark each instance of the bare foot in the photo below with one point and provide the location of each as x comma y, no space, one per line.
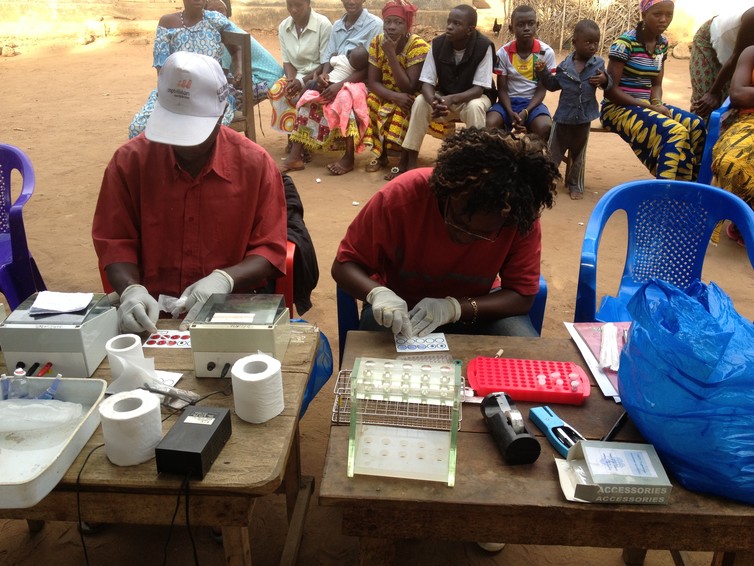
576,195
341,167
289,164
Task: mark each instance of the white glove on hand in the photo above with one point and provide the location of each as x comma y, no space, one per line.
389,310
428,314
196,295
138,310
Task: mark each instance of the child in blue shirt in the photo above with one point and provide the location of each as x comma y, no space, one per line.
577,77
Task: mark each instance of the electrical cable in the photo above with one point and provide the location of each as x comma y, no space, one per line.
78,501
172,521
188,520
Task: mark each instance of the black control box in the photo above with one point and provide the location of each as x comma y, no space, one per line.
194,442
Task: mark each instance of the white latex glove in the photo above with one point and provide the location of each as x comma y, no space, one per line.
138,310
194,297
428,314
389,310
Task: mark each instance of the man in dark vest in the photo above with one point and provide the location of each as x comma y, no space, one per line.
456,81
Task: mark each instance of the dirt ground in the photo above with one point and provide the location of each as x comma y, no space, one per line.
68,107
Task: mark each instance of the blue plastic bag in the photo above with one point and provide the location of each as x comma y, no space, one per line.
321,370
686,380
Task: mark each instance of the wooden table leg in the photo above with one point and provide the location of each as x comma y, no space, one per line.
634,556
298,493
293,475
34,525
721,558
236,546
296,523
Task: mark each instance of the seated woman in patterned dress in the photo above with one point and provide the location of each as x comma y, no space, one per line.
395,62
668,140
733,154
192,29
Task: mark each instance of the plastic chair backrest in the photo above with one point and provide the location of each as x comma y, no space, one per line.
19,276
713,132
348,314
669,228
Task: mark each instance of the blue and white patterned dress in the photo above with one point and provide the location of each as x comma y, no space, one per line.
203,38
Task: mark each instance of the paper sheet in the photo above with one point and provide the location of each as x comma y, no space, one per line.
588,338
52,302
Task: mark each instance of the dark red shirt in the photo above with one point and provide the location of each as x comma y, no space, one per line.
401,239
177,228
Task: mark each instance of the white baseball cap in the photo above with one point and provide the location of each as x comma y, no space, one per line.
191,95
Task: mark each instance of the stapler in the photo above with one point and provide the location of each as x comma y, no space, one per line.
508,429
560,434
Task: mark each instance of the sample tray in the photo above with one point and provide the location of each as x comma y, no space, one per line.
32,462
409,415
540,381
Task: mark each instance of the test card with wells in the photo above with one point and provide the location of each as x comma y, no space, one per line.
434,342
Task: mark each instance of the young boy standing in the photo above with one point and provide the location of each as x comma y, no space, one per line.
578,77
520,93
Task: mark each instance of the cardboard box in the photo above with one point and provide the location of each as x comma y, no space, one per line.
613,472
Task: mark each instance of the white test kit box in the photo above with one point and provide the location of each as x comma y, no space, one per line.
613,472
73,342
230,327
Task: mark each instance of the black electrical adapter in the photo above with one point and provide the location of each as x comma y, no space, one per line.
194,442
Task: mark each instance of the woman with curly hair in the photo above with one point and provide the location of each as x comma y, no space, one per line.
425,250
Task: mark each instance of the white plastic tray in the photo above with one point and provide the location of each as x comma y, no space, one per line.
32,462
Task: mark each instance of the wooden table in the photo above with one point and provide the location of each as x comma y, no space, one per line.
522,504
257,460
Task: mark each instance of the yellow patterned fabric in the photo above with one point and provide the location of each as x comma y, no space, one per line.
388,123
283,109
669,146
733,161
733,158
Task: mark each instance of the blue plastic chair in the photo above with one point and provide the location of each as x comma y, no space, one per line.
669,228
348,314
19,276
713,132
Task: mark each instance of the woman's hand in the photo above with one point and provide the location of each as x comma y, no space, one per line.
293,88
707,104
598,79
404,101
329,94
661,108
389,46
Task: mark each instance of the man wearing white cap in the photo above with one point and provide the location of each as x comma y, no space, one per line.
189,207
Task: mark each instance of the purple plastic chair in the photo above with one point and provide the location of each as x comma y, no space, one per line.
19,276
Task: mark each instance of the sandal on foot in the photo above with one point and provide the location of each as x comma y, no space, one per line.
394,172
375,165
306,155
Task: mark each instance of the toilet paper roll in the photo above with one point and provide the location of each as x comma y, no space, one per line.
131,425
128,366
120,349
257,388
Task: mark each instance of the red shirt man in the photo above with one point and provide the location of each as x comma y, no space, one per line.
190,208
